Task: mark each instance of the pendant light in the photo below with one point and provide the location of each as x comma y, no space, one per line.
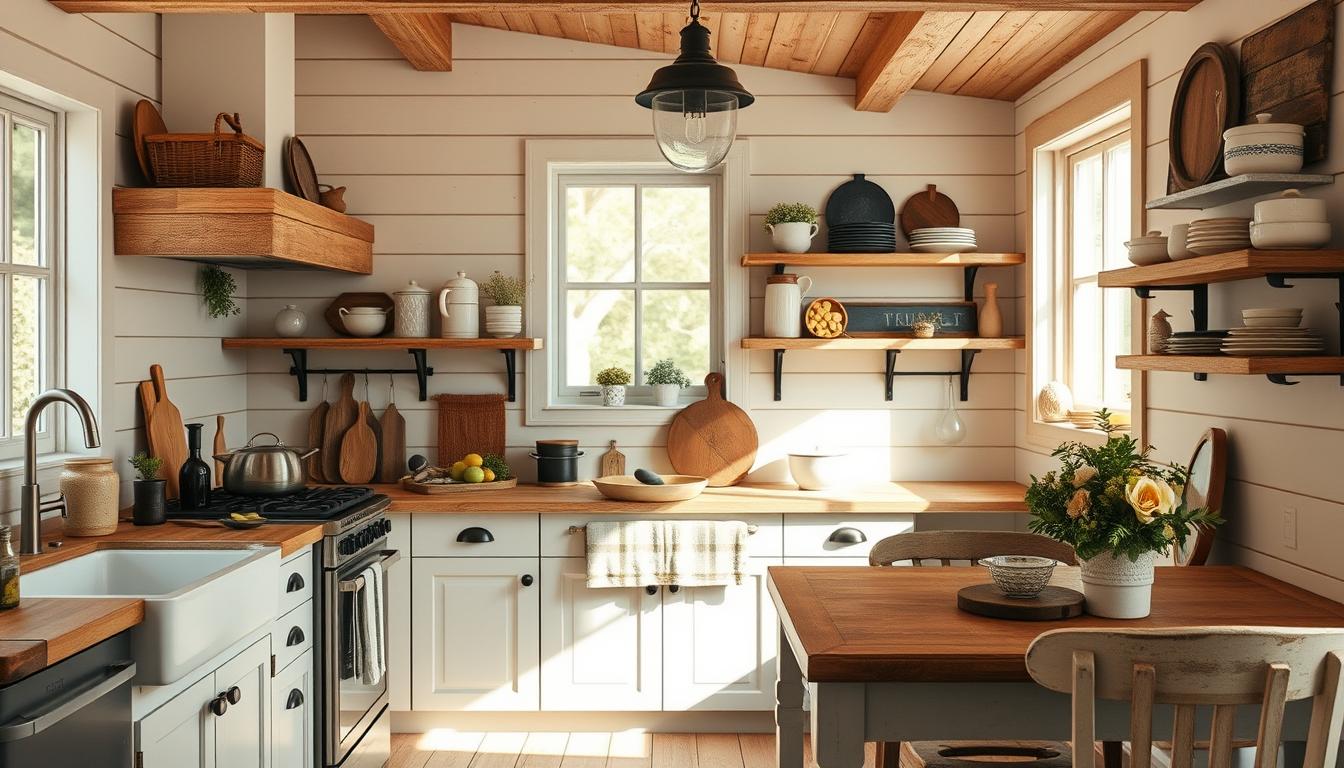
694,101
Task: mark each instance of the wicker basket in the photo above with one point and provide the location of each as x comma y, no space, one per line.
207,159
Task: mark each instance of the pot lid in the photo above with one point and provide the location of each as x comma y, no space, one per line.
1262,125
411,289
460,283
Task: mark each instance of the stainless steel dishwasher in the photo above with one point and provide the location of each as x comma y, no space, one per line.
74,714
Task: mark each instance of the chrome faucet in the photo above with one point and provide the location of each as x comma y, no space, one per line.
30,498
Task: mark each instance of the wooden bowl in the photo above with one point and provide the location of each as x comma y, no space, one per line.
836,307
674,488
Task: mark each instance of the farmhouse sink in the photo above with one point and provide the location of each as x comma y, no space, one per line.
198,602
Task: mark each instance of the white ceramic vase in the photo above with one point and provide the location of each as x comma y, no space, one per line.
792,236
504,322
290,322
1115,588
666,395
613,396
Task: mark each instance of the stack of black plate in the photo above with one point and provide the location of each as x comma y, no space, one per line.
861,218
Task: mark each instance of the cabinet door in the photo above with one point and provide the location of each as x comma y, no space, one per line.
243,732
474,633
719,645
601,649
399,616
292,714
181,733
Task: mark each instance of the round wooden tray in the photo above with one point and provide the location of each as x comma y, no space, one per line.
433,489
1051,605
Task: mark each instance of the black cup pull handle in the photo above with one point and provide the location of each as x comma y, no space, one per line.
674,589
234,695
651,589
295,637
294,584
527,580
847,535
475,535
295,699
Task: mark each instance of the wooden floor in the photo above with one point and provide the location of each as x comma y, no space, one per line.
626,749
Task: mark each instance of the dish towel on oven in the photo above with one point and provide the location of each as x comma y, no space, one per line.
689,553
369,647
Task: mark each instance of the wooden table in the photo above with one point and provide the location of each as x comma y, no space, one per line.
886,655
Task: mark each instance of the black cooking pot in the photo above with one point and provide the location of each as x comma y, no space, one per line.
557,470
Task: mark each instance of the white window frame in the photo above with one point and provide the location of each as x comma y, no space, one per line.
17,110
547,161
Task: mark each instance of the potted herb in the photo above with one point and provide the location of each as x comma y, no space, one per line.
505,319
926,325
1119,510
148,508
792,226
613,381
667,381
217,289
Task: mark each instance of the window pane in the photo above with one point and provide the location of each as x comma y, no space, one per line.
1117,206
27,297
24,160
1087,216
1117,343
1086,345
675,237
600,234
676,325
599,333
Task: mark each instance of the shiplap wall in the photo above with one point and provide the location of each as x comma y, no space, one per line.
1286,442
435,162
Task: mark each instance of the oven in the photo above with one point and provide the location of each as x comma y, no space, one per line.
354,663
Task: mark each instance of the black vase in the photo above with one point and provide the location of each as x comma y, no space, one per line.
193,480
149,502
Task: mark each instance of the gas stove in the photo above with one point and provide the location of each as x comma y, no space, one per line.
309,505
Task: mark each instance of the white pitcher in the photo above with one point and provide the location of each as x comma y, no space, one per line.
784,294
459,308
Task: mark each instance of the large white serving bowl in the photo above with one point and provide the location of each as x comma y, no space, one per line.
1291,235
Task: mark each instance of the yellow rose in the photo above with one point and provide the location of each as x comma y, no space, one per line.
1079,504
1149,498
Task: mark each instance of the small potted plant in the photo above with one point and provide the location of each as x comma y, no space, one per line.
613,381
926,325
792,226
505,319
667,381
148,508
1119,510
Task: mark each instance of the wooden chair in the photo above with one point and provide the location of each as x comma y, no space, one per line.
1222,667
945,547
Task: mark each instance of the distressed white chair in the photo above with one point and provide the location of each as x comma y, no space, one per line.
1223,667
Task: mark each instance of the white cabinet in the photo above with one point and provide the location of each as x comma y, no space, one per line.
474,641
601,649
292,716
399,616
181,733
719,645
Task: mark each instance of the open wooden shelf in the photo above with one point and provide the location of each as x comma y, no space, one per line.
883,259
247,227
1236,188
860,343
1227,364
1222,267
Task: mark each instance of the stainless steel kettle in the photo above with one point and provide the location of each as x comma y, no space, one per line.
264,470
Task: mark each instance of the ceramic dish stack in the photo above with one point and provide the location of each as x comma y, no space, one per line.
1209,236
1088,420
1290,221
860,218
1273,332
1195,343
943,240
862,237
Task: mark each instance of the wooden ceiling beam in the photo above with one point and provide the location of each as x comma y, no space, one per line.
374,7
909,45
425,39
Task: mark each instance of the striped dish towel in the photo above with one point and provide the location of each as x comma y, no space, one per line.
706,553
625,554
689,553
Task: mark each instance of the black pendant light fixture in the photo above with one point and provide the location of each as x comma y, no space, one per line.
694,101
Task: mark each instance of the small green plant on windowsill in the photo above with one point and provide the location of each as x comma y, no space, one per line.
667,381
613,381
217,289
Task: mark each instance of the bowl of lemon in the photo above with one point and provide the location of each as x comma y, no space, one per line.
473,472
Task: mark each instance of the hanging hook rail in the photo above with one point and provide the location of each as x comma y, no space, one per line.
422,371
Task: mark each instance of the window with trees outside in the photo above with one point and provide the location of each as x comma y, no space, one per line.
635,280
28,264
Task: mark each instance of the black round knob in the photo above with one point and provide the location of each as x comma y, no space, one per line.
652,590
387,526
527,580
675,588
218,706
234,695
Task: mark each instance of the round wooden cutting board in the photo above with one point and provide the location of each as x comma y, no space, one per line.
1052,604
929,208
713,438
1207,101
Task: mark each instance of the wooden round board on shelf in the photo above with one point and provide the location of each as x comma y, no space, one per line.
145,121
358,299
1052,604
1207,101
302,172
713,438
432,489
929,208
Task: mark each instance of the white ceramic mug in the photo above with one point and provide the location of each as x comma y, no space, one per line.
784,307
792,236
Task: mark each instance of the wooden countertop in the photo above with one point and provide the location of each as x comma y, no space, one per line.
888,498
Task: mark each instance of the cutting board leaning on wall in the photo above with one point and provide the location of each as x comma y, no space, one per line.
713,438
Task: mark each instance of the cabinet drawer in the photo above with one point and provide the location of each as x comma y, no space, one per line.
292,634
557,541
296,582
836,535
450,535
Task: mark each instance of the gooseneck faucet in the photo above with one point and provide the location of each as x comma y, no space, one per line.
30,498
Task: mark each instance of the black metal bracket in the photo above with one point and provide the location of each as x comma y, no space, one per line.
968,281
1199,294
301,371
510,372
779,375
964,375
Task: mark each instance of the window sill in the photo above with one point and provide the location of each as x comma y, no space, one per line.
45,461
580,415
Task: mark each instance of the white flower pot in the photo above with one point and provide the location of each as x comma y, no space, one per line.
504,322
1115,588
667,395
792,236
613,396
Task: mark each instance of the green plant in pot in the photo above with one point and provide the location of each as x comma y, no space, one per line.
504,319
667,381
612,381
791,226
148,506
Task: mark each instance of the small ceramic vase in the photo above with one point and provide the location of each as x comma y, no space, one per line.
991,321
792,236
613,396
91,489
1054,402
1159,330
666,395
1114,587
290,322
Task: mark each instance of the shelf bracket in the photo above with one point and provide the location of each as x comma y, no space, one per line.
891,372
422,371
1199,295
299,370
1282,378
511,372
964,375
779,375
968,281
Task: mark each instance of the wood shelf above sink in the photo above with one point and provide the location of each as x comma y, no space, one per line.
247,228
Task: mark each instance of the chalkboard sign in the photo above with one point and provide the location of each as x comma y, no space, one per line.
898,319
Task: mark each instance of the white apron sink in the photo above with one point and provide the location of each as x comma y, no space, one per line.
198,602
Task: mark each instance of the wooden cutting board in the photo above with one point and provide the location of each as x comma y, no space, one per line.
163,427
929,208
1206,103
712,438
377,429
145,121
341,416
613,462
393,464
221,447
359,449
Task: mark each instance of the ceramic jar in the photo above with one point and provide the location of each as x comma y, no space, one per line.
784,304
411,305
91,489
1116,588
1263,147
1054,402
504,322
990,324
459,308
792,236
1176,249
290,322
613,395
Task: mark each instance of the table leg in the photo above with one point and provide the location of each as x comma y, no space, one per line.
788,707
838,724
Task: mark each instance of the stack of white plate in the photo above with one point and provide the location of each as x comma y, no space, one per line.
1195,343
1210,236
942,240
1272,317
1088,420
1272,331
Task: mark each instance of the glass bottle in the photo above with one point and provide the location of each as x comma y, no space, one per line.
193,481
9,572
950,430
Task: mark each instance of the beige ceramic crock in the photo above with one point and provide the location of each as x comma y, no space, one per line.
91,489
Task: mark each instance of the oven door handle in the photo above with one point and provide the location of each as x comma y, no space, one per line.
115,675
390,556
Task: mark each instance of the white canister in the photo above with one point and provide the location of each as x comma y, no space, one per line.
459,308
290,322
784,294
412,311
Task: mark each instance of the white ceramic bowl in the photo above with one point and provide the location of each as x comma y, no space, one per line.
1022,576
1300,234
1263,147
364,323
1272,312
1150,249
1271,322
1290,206
818,471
